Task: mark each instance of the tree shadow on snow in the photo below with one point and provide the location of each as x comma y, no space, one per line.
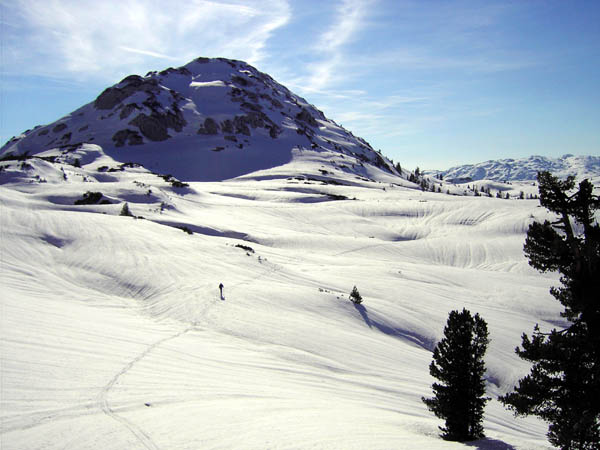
395,332
490,444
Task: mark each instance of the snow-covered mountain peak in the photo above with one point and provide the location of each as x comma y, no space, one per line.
211,119
525,169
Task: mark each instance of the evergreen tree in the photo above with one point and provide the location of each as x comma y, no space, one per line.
458,365
355,296
125,210
563,386
399,168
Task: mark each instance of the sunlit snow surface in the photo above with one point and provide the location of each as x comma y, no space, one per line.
114,335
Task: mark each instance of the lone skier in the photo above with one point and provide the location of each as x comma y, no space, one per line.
221,290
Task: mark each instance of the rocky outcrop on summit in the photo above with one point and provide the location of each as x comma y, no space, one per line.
113,96
186,113
155,125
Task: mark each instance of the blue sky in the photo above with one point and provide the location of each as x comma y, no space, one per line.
430,83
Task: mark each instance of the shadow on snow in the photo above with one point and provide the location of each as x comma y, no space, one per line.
490,444
412,337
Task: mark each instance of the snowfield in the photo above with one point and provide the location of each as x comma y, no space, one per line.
114,335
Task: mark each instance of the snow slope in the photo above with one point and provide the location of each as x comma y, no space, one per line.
114,335
212,119
525,169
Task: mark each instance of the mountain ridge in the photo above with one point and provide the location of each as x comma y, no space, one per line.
523,169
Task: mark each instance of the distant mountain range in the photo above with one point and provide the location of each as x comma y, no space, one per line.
523,169
209,120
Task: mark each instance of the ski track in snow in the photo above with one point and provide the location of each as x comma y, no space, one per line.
103,401
137,431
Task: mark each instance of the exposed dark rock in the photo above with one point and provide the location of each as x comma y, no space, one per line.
66,137
257,119
304,130
112,96
380,162
251,106
274,131
276,103
174,181
245,248
83,128
209,127
68,148
127,110
43,132
241,125
174,120
231,138
227,126
231,62
134,79
155,126
176,95
58,128
151,127
180,71
92,198
152,103
131,137
202,60
307,117
241,80
251,96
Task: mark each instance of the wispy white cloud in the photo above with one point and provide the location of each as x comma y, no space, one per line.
350,18
109,38
145,52
350,15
